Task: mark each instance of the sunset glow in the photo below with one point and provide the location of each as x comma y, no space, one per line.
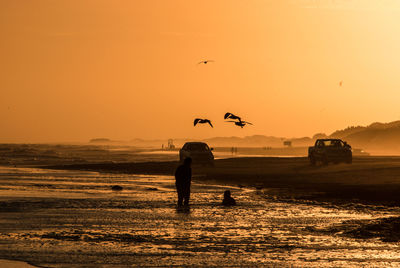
75,70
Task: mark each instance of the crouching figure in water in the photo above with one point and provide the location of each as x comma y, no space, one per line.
183,177
228,200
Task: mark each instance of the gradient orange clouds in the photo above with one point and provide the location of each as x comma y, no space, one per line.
74,70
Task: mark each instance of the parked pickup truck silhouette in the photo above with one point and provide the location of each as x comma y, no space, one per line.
330,150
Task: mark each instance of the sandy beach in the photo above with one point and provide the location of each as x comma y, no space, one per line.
58,209
59,218
369,180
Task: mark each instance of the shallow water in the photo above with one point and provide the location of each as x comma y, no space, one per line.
73,218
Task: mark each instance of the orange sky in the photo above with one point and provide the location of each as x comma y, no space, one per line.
74,70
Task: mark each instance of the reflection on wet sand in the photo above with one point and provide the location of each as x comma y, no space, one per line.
67,218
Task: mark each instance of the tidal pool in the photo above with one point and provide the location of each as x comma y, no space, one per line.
74,219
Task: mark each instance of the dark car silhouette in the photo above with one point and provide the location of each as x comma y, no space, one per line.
330,150
198,151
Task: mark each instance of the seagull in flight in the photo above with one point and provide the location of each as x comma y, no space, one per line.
205,61
232,116
202,121
241,123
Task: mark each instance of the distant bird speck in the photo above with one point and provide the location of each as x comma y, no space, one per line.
340,83
205,61
202,121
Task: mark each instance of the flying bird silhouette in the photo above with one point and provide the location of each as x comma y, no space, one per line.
241,123
231,116
205,61
202,121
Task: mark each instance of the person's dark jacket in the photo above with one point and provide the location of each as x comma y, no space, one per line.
183,175
229,201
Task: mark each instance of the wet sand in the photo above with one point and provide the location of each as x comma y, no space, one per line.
14,264
369,180
56,218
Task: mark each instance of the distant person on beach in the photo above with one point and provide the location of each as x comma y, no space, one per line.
228,200
183,177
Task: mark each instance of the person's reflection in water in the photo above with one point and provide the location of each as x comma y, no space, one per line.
183,177
228,200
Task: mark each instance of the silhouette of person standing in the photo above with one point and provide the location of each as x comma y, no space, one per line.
183,177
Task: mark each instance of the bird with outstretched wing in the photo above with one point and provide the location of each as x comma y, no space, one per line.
231,116
240,123
202,121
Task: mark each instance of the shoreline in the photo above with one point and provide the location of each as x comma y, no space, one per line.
11,263
369,180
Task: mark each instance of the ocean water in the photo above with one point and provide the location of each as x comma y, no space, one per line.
74,219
